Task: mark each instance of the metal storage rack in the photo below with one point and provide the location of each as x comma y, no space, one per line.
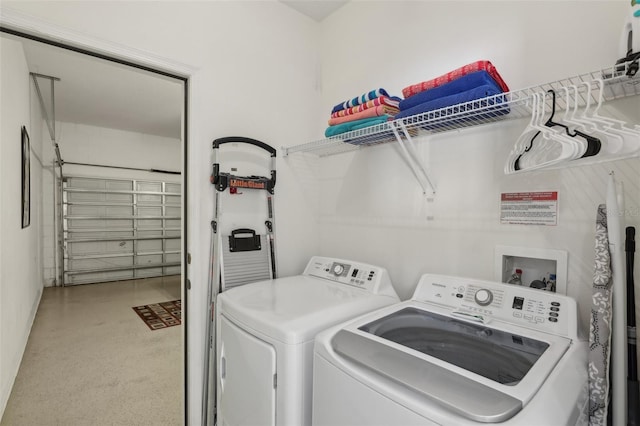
119,229
619,81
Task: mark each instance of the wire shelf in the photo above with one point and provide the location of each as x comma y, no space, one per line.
617,81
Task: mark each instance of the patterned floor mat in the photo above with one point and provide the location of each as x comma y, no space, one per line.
160,315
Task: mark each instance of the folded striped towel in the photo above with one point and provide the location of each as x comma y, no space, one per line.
455,74
367,113
355,125
459,85
371,95
392,101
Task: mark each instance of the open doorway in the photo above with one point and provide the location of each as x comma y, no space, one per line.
112,231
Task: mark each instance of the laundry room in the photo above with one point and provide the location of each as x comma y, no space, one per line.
460,192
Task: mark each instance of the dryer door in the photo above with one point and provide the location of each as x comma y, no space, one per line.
247,372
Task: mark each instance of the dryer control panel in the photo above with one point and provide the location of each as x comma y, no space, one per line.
483,301
373,279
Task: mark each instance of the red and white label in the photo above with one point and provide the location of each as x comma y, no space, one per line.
529,208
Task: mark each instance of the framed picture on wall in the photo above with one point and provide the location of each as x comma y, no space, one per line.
26,178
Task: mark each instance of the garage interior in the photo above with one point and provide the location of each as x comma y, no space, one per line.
107,207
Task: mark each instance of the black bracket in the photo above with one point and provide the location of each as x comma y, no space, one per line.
249,242
633,65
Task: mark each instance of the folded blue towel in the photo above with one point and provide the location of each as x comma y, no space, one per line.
462,84
469,95
354,125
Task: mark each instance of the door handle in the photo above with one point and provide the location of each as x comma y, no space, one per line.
222,372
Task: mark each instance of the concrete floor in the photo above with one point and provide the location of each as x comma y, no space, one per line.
90,360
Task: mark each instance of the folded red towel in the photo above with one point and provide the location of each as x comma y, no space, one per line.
455,74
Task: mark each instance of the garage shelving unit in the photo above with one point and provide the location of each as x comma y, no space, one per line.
619,81
116,229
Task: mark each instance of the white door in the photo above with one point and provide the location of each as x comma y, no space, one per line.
247,378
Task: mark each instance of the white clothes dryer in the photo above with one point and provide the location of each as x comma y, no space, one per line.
460,352
265,333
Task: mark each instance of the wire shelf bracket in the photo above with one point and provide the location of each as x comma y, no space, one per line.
411,155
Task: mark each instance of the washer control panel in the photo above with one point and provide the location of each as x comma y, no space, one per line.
483,301
372,278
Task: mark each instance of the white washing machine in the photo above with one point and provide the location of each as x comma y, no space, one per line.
460,352
265,334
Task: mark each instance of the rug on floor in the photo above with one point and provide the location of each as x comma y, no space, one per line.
160,315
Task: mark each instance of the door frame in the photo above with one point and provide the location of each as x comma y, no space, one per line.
25,26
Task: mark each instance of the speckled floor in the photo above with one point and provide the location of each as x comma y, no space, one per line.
90,360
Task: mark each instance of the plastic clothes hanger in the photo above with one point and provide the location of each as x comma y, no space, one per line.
557,146
581,120
630,138
552,146
522,143
593,143
538,142
611,143
630,135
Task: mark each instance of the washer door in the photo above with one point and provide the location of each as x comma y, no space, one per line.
247,378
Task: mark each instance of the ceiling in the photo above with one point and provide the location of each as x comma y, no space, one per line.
315,9
102,93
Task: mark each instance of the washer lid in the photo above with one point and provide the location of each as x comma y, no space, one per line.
294,309
486,373
497,355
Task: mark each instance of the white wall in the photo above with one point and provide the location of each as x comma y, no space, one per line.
79,143
20,251
372,206
257,75
98,145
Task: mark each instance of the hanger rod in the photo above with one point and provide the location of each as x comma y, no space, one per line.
171,172
35,74
50,123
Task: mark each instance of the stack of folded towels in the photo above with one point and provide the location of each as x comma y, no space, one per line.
366,110
468,83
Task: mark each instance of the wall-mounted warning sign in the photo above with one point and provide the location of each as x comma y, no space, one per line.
529,208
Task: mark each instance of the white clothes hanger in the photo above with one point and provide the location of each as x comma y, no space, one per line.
617,125
582,136
522,143
552,145
610,126
611,142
